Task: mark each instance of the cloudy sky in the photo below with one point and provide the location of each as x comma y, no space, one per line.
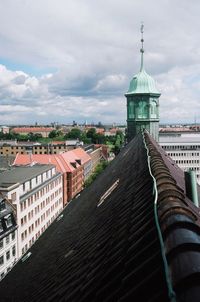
65,60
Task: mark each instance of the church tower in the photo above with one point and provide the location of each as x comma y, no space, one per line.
142,102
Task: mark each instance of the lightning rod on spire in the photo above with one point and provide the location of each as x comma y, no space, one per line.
142,41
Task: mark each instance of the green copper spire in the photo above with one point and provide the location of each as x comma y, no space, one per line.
142,101
142,48
142,82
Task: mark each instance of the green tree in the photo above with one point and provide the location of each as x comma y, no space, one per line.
98,170
55,133
33,136
75,133
92,135
100,138
85,139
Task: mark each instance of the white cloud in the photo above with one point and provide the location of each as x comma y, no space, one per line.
86,52
112,82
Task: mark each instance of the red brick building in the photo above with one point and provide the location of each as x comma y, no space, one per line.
67,163
44,131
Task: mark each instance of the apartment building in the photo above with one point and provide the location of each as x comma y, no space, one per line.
86,161
97,153
75,173
37,193
12,148
44,131
67,163
184,149
8,236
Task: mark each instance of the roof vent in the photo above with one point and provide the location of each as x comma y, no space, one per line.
60,217
69,253
108,192
26,256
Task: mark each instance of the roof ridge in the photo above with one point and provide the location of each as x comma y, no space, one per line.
175,213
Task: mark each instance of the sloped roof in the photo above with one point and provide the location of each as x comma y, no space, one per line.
81,154
70,157
62,165
106,244
32,129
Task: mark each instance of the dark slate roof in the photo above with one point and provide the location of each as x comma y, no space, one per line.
20,174
106,244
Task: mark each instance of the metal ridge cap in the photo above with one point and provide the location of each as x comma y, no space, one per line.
171,293
168,167
158,166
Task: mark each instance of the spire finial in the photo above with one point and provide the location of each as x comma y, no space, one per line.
142,41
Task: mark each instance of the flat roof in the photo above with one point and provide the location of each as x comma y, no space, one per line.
20,174
177,139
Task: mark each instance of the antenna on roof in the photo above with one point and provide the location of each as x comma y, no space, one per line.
142,41
32,163
195,123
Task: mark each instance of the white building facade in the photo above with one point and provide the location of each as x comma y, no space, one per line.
37,193
184,149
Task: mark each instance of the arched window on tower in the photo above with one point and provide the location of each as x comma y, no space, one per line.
131,110
142,110
153,109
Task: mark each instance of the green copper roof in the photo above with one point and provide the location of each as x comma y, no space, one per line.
142,83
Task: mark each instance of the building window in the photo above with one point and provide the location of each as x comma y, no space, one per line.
7,255
13,250
8,269
29,202
1,260
7,239
1,243
13,235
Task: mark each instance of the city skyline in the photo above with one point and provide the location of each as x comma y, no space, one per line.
72,60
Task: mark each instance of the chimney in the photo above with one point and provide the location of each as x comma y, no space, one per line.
191,186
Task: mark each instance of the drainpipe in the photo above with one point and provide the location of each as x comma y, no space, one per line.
191,186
